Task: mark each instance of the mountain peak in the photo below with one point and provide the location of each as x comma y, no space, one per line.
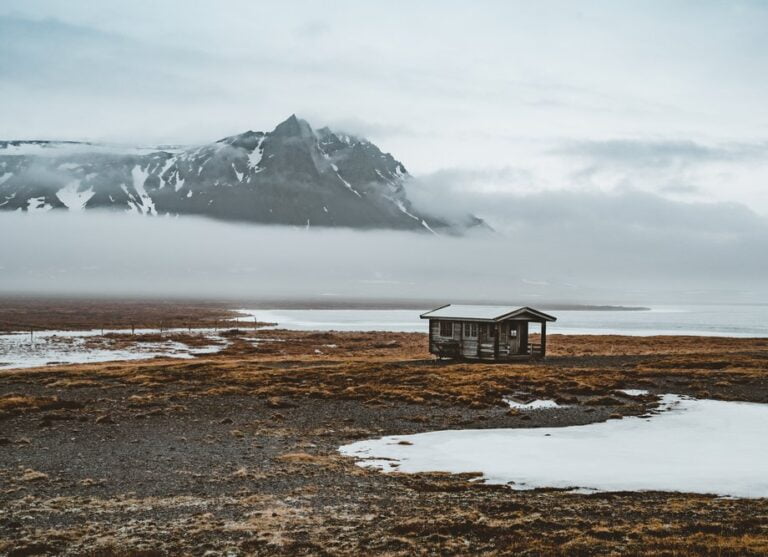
292,176
293,127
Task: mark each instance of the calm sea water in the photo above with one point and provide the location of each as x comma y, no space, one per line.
709,320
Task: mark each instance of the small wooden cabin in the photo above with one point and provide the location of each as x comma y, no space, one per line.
486,332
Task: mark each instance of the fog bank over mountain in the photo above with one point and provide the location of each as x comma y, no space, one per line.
559,250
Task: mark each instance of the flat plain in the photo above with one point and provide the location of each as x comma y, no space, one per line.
236,452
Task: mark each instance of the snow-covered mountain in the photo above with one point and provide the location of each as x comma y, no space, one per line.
293,175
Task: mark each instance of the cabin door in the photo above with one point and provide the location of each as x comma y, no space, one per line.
514,337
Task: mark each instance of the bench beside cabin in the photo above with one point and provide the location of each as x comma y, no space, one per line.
486,332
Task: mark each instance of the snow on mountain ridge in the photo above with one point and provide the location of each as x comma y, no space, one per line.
292,175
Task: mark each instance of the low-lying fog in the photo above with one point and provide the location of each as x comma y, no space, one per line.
546,259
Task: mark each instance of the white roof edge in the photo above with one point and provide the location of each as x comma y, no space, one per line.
482,313
432,310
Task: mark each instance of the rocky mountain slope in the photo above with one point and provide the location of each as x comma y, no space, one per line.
293,175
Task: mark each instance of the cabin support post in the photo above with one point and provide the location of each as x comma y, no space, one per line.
431,321
543,338
522,333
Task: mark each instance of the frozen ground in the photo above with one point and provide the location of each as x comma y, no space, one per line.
20,350
634,392
533,405
393,320
689,445
714,320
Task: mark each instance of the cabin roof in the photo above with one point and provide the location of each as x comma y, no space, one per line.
486,313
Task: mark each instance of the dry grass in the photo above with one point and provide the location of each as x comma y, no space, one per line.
30,475
77,314
302,458
14,404
428,515
580,368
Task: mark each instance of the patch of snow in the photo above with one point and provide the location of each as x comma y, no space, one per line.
69,166
38,205
695,446
19,350
533,405
425,225
634,392
71,196
5,177
61,149
349,186
583,491
238,174
139,178
254,157
134,206
325,208
401,206
166,166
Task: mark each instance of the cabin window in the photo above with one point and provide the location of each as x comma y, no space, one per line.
470,329
446,328
488,330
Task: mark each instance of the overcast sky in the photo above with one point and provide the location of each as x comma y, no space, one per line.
649,116
665,96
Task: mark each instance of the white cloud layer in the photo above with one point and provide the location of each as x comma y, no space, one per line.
562,249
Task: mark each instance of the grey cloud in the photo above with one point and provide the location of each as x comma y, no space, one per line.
91,63
60,57
556,247
313,29
618,214
661,153
680,189
369,129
